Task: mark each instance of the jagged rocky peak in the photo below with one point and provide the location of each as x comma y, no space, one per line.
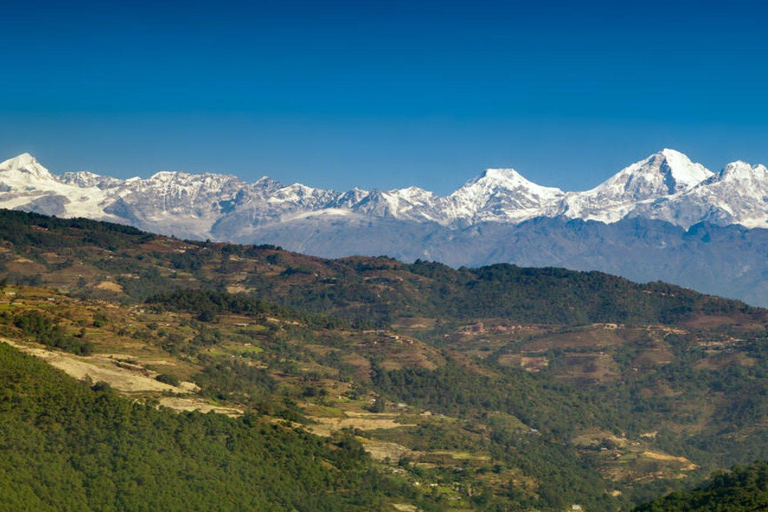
86,179
666,185
683,172
266,182
26,164
742,171
664,173
183,183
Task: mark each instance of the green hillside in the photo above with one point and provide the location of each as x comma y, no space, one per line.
121,263
70,447
737,490
497,388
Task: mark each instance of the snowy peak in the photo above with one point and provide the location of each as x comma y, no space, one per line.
19,162
499,195
494,180
184,188
736,195
664,173
654,178
683,172
351,198
412,203
666,185
742,171
194,196
302,195
413,191
507,176
86,179
413,195
26,164
203,181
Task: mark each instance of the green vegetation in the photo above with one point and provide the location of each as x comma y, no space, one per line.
43,330
68,447
558,296
207,304
168,378
737,490
495,388
364,292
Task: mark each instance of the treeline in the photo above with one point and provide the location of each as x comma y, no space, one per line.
382,294
43,329
41,231
70,447
206,305
560,296
737,490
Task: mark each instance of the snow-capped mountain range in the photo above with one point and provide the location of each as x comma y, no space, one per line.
665,186
663,217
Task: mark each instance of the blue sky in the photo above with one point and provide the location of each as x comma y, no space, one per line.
337,94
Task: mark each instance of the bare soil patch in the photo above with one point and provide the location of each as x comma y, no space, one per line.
109,286
382,450
357,420
194,404
99,368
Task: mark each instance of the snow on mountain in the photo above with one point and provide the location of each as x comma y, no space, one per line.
26,167
413,204
24,171
643,215
86,179
665,186
189,203
736,195
178,192
302,196
661,175
26,184
350,198
500,195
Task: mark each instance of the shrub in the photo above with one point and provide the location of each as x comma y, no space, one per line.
167,378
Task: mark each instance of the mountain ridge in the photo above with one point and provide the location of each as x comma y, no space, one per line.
661,218
666,185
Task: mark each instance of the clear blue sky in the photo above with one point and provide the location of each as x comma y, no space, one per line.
382,94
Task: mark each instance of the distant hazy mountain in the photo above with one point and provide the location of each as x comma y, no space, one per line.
664,217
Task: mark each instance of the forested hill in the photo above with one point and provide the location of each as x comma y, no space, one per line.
737,490
68,447
110,261
493,388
